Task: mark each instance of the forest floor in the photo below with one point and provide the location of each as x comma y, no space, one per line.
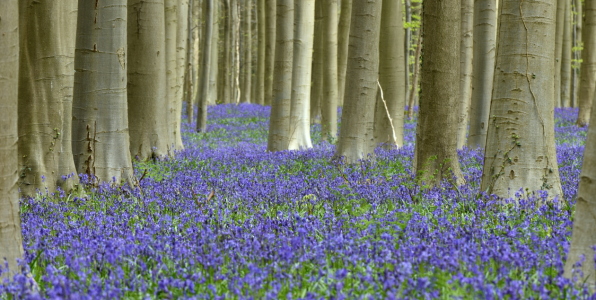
226,219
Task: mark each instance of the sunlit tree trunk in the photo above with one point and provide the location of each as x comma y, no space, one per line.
11,241
279,122
181,58
485,27
304,14
520,145
262,37
577,40
214,60
46,79
191,64
100,114
566,59
587,79
343,40
465,71
171,31
316,88
247,51
270,14
224,86
204,85
559,28
147,94
391,77
356,139
330,82
436,147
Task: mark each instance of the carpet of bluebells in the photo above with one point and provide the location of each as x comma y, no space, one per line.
226,219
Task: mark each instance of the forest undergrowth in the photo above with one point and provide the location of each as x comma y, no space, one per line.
227,220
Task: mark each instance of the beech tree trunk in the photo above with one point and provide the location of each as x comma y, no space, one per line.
304,14
204,85
279,122
356,140
520,146
269,49
182,35
46,79
316,87
330,82
566,59
587,79
465,72
262,37
171,31
485,28
101,144
342,53
212,98
148,113
436,147
577,40
247,51
559,28
11,240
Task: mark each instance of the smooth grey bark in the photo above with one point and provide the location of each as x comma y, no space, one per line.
279,122
171,32
214,60
329,100
566,58
436,147
147,87
485,29
559,28
191,64
316,87
304,17
587,79
224,86
343,41
391,78
356,136
577,34
247,64
204,85
270,14
100,113
407,43
415,76
262,37
11,240
465,72
182,57
520,146
46,79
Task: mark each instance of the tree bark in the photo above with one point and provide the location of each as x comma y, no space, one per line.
316,88
342,53
269,49
330,82
520,145
465,71
204,85
436,147
485,28
577,41
559,28
224,87
182,57
46,79
101,143
356,140
212,98
391,78
262,37
247,64
11,240
304,14
415,76
147,90
587,79
171,32
566,59
279,122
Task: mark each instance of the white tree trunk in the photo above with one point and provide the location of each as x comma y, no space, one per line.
587,77
465,70
330,81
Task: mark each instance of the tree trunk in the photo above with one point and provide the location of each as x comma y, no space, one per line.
11,241
46,79
356,139
204,85
171,28
343,40
304,14
279,122
465,72
520,145
330,82
485,28
235,63
587,79
262,37
147,94
415,76
436,147
316,88
559,28
407,44
189,75
225,66
566,59
214,60
389,113
269,49
247,70
577,35
181,58
101,144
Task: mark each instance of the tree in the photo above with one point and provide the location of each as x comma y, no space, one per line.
389,112
247,64
46,79
559,29
214,57
485,26
566,58
147,94
328,102
11,241
520,145
587,76
101,144
342,53
279,122
465,72
260,76
304,14
204,86
316,87
436,145
269,48
356,133
182,36
172,77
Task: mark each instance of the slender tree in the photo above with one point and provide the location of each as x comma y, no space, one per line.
520,145
172,88
566,58
46,79
316,87
247,64
182,57
262,37
559,28
485,27
577,34
436,147
356,134
389,112
100,114
343,40
587,79
465,70
270,14
330,80
279,123
214,56
304,14
11,240
204,85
